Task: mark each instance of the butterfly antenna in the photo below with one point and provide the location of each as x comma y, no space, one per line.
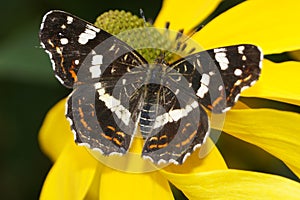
196,30
181,44
143,16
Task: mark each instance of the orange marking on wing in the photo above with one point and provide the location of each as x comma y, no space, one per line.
184,129
58,50
106,136
120,133
237,83
217,101
111,128
84,123
153,138
80,112
50,42
162,145
185,142
117,141
162,137
73,74
193,135
153,146
247,78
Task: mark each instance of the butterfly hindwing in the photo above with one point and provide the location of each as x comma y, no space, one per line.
179,137
173,124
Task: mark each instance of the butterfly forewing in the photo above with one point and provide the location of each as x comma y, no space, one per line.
219,75
93,62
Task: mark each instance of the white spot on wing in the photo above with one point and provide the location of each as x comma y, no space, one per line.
219,50
244,88
112,47
185,157
176,114
202,91
198,62
98,85
252,83
95,71
241,49
87,35
97,60
205,79
69,20
115,106
59,79
238,72
109,101
194,104
211,73
64,41
236,98
93,28
101,91
226,109
173,115
162,120
222,59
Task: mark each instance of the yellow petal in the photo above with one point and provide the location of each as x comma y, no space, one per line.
269,24
121,185
198,162
240,105
277,132
235,185
55,131
184,15
93,192
71,175
278,81
131,162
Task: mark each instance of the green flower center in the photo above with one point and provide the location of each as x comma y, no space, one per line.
137,33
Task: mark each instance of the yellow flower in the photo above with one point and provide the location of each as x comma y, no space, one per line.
269,24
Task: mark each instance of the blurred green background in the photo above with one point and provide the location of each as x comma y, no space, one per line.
28,90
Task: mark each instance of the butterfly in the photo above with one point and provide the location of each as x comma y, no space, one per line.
115,90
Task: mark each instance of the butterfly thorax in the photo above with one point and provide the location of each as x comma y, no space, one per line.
156,73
